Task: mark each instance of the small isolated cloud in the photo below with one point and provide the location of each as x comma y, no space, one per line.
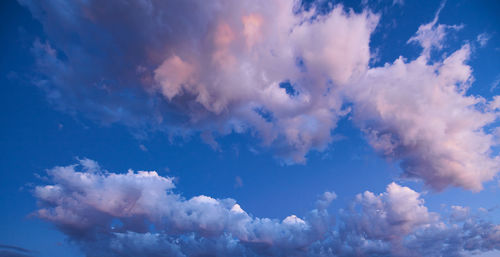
398,2
143,148
139,214
483,39
495,83
459,213
209,139
238,182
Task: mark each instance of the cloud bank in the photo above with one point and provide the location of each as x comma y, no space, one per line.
275,69
139,214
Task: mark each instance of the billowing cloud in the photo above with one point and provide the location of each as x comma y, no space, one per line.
139,214
420,113
275,69
325,200
212,67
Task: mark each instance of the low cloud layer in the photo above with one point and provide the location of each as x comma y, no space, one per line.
139,214
275,69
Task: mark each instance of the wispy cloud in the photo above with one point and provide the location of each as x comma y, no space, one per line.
14,251
483,39
431,35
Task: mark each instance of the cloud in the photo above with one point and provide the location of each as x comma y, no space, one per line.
104,211
238,182
420,113
139,214
277,70
143,148
495,83
431,36
483,39
389,215
324,201
459,213
212,68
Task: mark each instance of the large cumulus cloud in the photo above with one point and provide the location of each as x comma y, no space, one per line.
275,69
415,112
419,112
139,214
214,67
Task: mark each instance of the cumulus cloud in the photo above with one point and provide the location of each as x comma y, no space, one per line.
139,214
213,67
325,200
419,112
275,69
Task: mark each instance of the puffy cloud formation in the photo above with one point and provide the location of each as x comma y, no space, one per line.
214,67
390,215
420,113
325,200
275,69
139,214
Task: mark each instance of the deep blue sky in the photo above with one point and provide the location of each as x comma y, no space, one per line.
35,135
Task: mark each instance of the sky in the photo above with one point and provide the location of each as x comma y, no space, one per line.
249,128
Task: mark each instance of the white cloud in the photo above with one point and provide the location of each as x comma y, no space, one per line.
420,113
272,69
238,67
431,35
391,215
483,39
459,213
324,201
154,221
211,67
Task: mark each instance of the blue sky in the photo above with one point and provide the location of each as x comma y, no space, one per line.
192,91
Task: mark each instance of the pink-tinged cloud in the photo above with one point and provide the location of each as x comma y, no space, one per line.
215,68
419,113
